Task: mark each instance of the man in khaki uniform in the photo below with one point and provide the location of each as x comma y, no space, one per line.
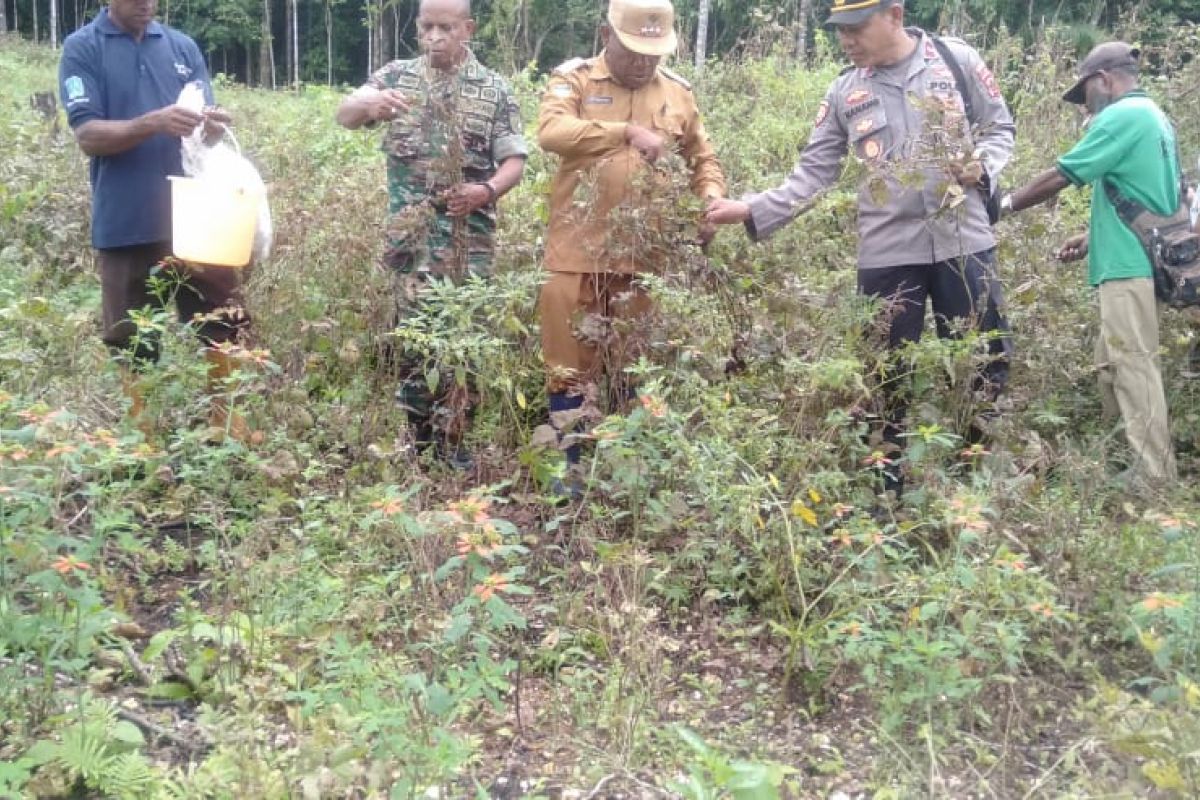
609,118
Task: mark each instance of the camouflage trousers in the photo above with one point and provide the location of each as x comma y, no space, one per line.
436,400
422,237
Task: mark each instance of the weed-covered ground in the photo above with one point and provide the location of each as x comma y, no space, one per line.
728,612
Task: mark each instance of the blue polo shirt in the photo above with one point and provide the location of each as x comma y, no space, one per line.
106,75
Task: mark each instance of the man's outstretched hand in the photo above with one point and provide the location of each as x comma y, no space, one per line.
723,211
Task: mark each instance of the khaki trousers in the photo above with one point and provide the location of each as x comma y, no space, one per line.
585,320
1130,379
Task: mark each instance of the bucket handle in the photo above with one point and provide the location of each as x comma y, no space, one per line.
226,133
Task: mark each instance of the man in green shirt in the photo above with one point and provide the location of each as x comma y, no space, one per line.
1130,144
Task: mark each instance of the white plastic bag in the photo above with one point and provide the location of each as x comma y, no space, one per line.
223,162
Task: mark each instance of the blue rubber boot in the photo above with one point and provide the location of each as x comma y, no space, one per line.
571,487
561,401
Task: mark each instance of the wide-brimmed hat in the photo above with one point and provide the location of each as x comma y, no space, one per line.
644,26
852,12
1104,57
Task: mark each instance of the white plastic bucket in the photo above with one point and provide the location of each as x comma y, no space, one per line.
212,223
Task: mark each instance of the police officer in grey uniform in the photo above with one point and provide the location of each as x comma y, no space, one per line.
926,117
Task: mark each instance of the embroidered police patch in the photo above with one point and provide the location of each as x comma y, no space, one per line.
822,113
596,100
988,80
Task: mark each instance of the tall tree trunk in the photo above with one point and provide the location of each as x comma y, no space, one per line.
36,34
803,16
295,42
287,41
527,53
3,17
385,35
395,31
266,49
328,43
370,40
381,30
541,41
596,36
702,34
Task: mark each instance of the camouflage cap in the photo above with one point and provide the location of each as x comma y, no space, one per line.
644,26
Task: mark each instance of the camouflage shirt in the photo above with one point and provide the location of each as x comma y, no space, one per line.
460,126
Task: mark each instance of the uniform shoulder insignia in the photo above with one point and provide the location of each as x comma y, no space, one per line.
675,76
568,67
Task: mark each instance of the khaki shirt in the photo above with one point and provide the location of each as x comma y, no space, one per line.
894,124
583,118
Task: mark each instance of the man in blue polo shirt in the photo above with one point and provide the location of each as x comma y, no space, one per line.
119,79
1131,145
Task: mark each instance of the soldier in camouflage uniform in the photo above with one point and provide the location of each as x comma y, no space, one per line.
454,145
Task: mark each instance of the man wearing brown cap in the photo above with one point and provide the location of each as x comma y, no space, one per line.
940,157
610,118
1129,147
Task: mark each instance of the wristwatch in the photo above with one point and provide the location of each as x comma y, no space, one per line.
492,193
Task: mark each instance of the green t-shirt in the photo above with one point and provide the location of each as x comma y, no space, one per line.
1131,144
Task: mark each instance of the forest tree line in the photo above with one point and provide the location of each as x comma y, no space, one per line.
276,43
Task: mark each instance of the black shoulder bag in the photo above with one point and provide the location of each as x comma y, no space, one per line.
1170,244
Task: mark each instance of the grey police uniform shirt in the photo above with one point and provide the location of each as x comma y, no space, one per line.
893,120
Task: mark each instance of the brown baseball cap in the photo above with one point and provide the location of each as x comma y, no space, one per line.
644,26
1104,57
852,12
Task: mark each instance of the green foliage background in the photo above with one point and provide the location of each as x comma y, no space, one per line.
516,33
723,615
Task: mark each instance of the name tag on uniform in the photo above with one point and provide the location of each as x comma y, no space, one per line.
862,107
596,100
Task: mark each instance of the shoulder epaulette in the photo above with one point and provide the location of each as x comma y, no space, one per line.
568,67
675,76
